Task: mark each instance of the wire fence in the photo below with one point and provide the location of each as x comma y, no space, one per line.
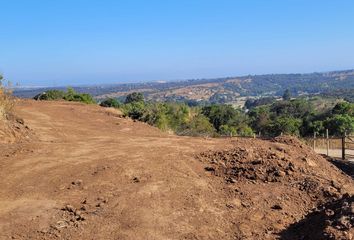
332,146
336,147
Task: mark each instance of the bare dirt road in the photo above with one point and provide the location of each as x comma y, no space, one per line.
88,174
136,182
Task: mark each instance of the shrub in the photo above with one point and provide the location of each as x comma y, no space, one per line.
72,95
343,108
287,95
134,97
227,120
285,125
339,124
6,100
245,131
69,95
198,126
227,130
110,102
50,95
135,110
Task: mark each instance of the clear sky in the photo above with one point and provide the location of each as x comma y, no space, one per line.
44,42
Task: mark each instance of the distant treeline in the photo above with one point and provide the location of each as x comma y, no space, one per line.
228,89
269,117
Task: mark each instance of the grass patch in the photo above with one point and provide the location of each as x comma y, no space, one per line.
6,100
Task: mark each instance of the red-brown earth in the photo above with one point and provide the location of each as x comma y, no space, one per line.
76,171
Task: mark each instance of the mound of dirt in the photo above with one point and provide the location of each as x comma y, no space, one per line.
298,179
334,220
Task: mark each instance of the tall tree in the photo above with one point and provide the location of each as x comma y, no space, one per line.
287,95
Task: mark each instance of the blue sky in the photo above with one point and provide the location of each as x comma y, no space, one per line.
70,42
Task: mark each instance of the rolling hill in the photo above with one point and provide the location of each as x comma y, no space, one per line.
221,90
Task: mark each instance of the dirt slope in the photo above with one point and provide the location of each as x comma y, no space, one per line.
89,174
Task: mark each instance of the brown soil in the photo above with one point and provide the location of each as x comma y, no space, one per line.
278,181
334,220
13,129
90,174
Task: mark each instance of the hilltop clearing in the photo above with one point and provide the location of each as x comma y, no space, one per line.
87,173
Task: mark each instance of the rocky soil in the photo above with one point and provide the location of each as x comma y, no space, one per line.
281,181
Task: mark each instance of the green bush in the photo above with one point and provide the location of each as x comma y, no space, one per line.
198,126
50,95
134,97
339,124
72,95
110,102
135,110
285,125
227,130
344,108
69,95
228,120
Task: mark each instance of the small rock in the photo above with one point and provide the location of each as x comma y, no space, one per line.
136,179
280,173
329,212
256,162
231,180
351,209
20,121
277,207
209,169
69,208
229,205
77,182
100,204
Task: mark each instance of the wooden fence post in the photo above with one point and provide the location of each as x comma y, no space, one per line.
327,139
343,147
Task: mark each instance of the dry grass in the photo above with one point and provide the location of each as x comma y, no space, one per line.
6,100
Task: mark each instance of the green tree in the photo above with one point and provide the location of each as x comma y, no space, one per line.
220,115
260,118
287,95
343,108
339,124
297,108
134,97
227,130
285,125
198,126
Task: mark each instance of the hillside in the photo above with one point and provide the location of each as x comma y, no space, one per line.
221,90
86,173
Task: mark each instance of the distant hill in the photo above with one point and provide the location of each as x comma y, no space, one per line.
222,90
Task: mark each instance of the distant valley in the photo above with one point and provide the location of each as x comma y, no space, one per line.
232,90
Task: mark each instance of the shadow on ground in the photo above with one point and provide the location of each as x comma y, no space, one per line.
344,165
333,220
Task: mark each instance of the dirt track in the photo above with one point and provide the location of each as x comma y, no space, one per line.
88,174
152,186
